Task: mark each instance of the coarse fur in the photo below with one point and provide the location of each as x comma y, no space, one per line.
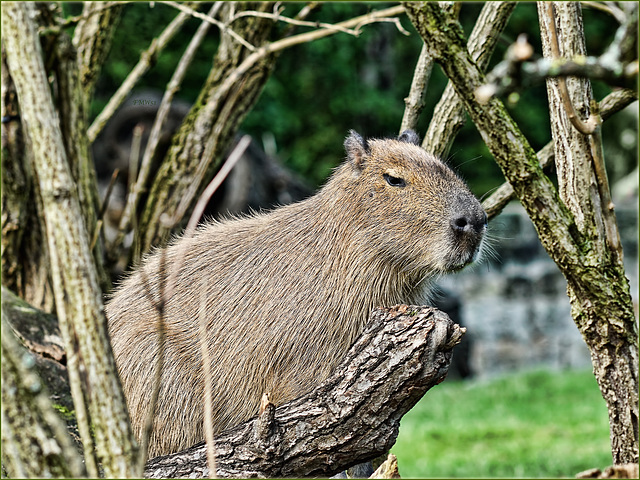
286,293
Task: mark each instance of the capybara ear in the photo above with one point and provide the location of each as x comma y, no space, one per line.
357,149
409,136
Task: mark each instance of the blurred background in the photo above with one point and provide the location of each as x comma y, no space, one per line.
520,400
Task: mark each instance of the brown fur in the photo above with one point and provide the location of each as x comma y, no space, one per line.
286,293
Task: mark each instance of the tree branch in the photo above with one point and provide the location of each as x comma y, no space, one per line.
146,61
609,105
209,18
448,115
351,418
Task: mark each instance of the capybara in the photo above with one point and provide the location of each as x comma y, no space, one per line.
284,294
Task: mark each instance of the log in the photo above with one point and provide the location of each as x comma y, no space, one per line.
351,418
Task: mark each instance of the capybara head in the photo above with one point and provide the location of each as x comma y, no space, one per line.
414,208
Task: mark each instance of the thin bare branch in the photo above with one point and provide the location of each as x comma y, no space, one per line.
226,168
208,384
70,21
608,7
146,60
133,190
288,42
302,14
414,102
107,194
212,21
293,21
159,305
156,130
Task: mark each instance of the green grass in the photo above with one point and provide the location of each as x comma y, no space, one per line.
534,424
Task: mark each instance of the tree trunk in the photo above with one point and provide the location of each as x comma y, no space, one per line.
598,287
351,418
92,40
600,301
206,133
75,280
25,259
25,256
35,443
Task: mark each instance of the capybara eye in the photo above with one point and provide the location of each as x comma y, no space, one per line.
394,181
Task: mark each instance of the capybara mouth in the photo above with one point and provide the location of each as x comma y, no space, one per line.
462,258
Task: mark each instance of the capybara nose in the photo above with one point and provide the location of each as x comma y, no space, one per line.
467,223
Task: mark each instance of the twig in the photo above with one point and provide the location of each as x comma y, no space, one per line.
608,7
134,155
107,194
156,129
592,123
67,22
128,216
198,210
395,21
208,387
288,42
143,65
212,21
293,21
302,14
159,305
103,209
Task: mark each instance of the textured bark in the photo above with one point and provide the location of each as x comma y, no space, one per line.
206,132
73,123
600,301
39,332
597,286
611,104
92,40
448,115
75,281
14,181
25,256
35,443
351,418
